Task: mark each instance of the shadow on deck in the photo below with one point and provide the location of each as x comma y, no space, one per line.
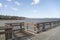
22,36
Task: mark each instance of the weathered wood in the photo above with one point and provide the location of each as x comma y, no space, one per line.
20,26
50,24
43,28
27,26
2,32
35,26
38,28
8,33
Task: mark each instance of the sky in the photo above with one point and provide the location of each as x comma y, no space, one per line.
31,8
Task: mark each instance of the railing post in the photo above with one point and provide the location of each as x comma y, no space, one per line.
50,25
38,28
34,27
20,26
43,28
27,26
8,33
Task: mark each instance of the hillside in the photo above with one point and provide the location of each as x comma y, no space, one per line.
3,17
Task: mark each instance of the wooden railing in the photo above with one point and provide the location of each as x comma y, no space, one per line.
36,27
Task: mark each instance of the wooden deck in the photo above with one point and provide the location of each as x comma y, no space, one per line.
53,34
25,31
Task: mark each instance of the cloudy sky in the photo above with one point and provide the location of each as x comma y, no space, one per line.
31,8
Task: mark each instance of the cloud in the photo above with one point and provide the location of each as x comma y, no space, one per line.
5,6
35,11
35,2
15,9
1,5
9,0
17,3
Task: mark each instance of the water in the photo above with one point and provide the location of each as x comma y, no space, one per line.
2,22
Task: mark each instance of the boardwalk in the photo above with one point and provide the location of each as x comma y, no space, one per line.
53,34
30,27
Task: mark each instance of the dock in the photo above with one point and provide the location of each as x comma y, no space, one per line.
27,29
53,34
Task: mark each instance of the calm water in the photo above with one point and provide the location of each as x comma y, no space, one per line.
2,22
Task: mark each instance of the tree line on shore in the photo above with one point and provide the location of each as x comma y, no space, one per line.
2,17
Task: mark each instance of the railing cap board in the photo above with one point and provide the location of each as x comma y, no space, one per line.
15,24
3,28
47,22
